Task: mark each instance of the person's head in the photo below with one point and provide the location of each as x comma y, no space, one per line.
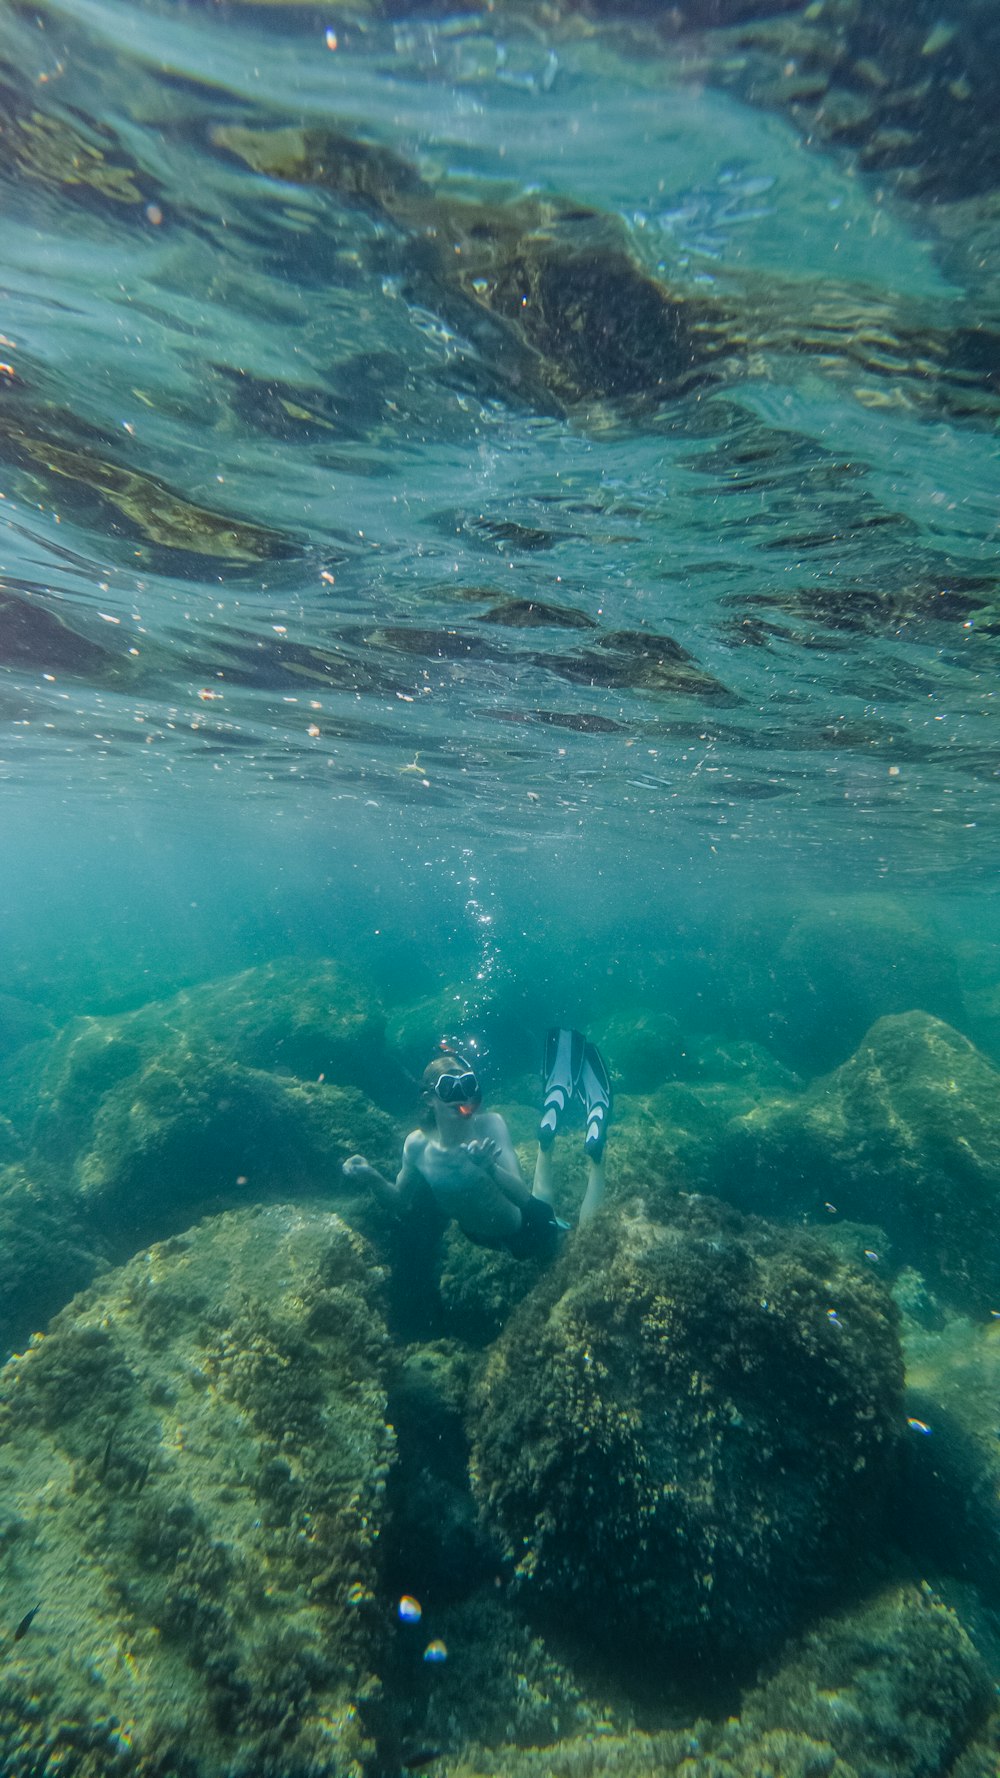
449,1085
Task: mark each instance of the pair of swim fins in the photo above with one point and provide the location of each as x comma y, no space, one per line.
574,1067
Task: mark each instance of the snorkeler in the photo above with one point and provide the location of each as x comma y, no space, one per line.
467,1160
574,1068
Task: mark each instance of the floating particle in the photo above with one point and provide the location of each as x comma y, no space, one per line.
920,1426
833,1318
435,1651
331,39
410,1609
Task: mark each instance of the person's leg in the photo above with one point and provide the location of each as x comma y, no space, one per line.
593,1197
541,1185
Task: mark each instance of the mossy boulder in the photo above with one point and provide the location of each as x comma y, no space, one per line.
193,1462
47,1252
892,1688
952,1490
687,1434
189,1134
237,1090
896,1687
844,964
906,1134
305,1020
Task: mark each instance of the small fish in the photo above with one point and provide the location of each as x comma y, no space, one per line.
415,1762
25,1625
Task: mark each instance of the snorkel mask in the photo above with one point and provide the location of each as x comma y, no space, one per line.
459,1087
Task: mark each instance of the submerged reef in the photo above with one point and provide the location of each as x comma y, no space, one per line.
892,1689
124,1129
47,1252
686,1436
952,1489
244,1088
193,1462
906,1134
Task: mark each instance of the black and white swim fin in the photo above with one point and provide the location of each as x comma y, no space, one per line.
594,1088
564,1058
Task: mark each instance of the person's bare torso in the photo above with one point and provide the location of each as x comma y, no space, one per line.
462,1185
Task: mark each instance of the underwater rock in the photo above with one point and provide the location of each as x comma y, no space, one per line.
480,1287
302,1016
190,1133
193,1462
951,1496
895,1686
46,1253
892,1688
845,964
226,1081
906,1134
686,1435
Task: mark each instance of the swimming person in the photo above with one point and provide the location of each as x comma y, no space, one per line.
574,1068
467,1160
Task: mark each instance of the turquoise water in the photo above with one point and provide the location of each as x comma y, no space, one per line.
505,504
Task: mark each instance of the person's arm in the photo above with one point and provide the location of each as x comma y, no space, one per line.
391,1195
496,1153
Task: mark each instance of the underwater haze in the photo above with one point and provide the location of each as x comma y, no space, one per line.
498,532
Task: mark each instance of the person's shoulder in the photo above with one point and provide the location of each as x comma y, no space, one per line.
490,1123
415,1144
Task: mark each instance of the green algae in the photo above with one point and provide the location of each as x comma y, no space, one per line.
194,1461
952,1496
904,1134
687,1434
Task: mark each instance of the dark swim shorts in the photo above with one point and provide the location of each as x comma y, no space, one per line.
540,1233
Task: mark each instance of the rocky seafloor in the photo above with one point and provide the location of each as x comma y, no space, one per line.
714,1494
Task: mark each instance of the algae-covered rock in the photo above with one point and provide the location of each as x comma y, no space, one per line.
892,1688
47,1252
844,964
243,1088
308,1019
895,1686
905,1134
189,1134
193,1463
952,1487
686,1435
480,1286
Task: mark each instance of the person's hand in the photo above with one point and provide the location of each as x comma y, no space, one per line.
484,1151
355,1167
